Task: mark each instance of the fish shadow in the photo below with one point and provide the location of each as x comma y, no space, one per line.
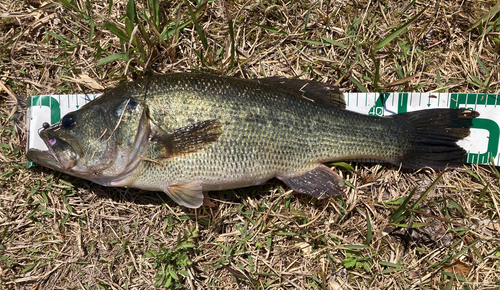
89,191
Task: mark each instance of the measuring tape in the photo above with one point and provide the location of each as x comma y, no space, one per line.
482,145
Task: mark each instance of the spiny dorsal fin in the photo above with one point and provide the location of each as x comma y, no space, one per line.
320,93
188,139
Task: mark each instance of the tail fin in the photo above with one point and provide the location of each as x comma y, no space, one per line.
433,134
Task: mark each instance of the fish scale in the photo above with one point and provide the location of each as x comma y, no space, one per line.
188,133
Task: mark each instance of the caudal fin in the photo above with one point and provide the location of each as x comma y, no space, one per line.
433,135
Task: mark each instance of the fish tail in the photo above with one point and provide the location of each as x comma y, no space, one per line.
432,136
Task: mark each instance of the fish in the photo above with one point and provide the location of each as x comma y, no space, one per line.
189,133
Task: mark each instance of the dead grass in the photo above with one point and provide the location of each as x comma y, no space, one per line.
59,232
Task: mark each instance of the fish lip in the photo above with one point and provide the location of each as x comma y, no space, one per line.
43,157
50,140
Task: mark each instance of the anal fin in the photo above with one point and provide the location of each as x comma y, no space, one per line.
319,182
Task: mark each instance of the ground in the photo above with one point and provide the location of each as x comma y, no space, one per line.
393,229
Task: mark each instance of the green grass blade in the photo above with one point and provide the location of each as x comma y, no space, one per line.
401,212
474,175
272,29
457,254
369,229
475,81
196,25
457,206
231,35
407,6
356,247
110,5
307,19
376,75
240,275
29,268
492,161
129,27
449,285
113,57
389,264
131,14
397,32
412,226
66,3
482,65
91,31
116,31
178,26
66,42
344,165
262,71
154,9
331,41
419,200
360,86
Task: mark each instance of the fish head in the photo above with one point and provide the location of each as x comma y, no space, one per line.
102,142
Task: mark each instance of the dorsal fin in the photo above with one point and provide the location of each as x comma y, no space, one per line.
320,93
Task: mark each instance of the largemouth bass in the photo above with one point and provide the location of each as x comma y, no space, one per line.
188,133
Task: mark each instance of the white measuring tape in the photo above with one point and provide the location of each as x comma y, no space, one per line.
482,145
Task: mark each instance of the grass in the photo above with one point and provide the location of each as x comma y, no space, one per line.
393,229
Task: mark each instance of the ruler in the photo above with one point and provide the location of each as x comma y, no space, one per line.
482,145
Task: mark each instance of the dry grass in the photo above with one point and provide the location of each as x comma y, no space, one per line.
59,232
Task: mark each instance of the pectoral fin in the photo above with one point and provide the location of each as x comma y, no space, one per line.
188,195
186,140
319,182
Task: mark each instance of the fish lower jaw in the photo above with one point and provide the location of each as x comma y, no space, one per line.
126,176
115,181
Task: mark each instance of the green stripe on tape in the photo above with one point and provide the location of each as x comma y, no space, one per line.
493,139
47,101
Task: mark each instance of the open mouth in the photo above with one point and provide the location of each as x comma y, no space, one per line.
60,149
51,141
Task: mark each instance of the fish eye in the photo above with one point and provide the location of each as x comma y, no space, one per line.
131,104
68,121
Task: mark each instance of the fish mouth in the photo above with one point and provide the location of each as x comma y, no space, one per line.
59,149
